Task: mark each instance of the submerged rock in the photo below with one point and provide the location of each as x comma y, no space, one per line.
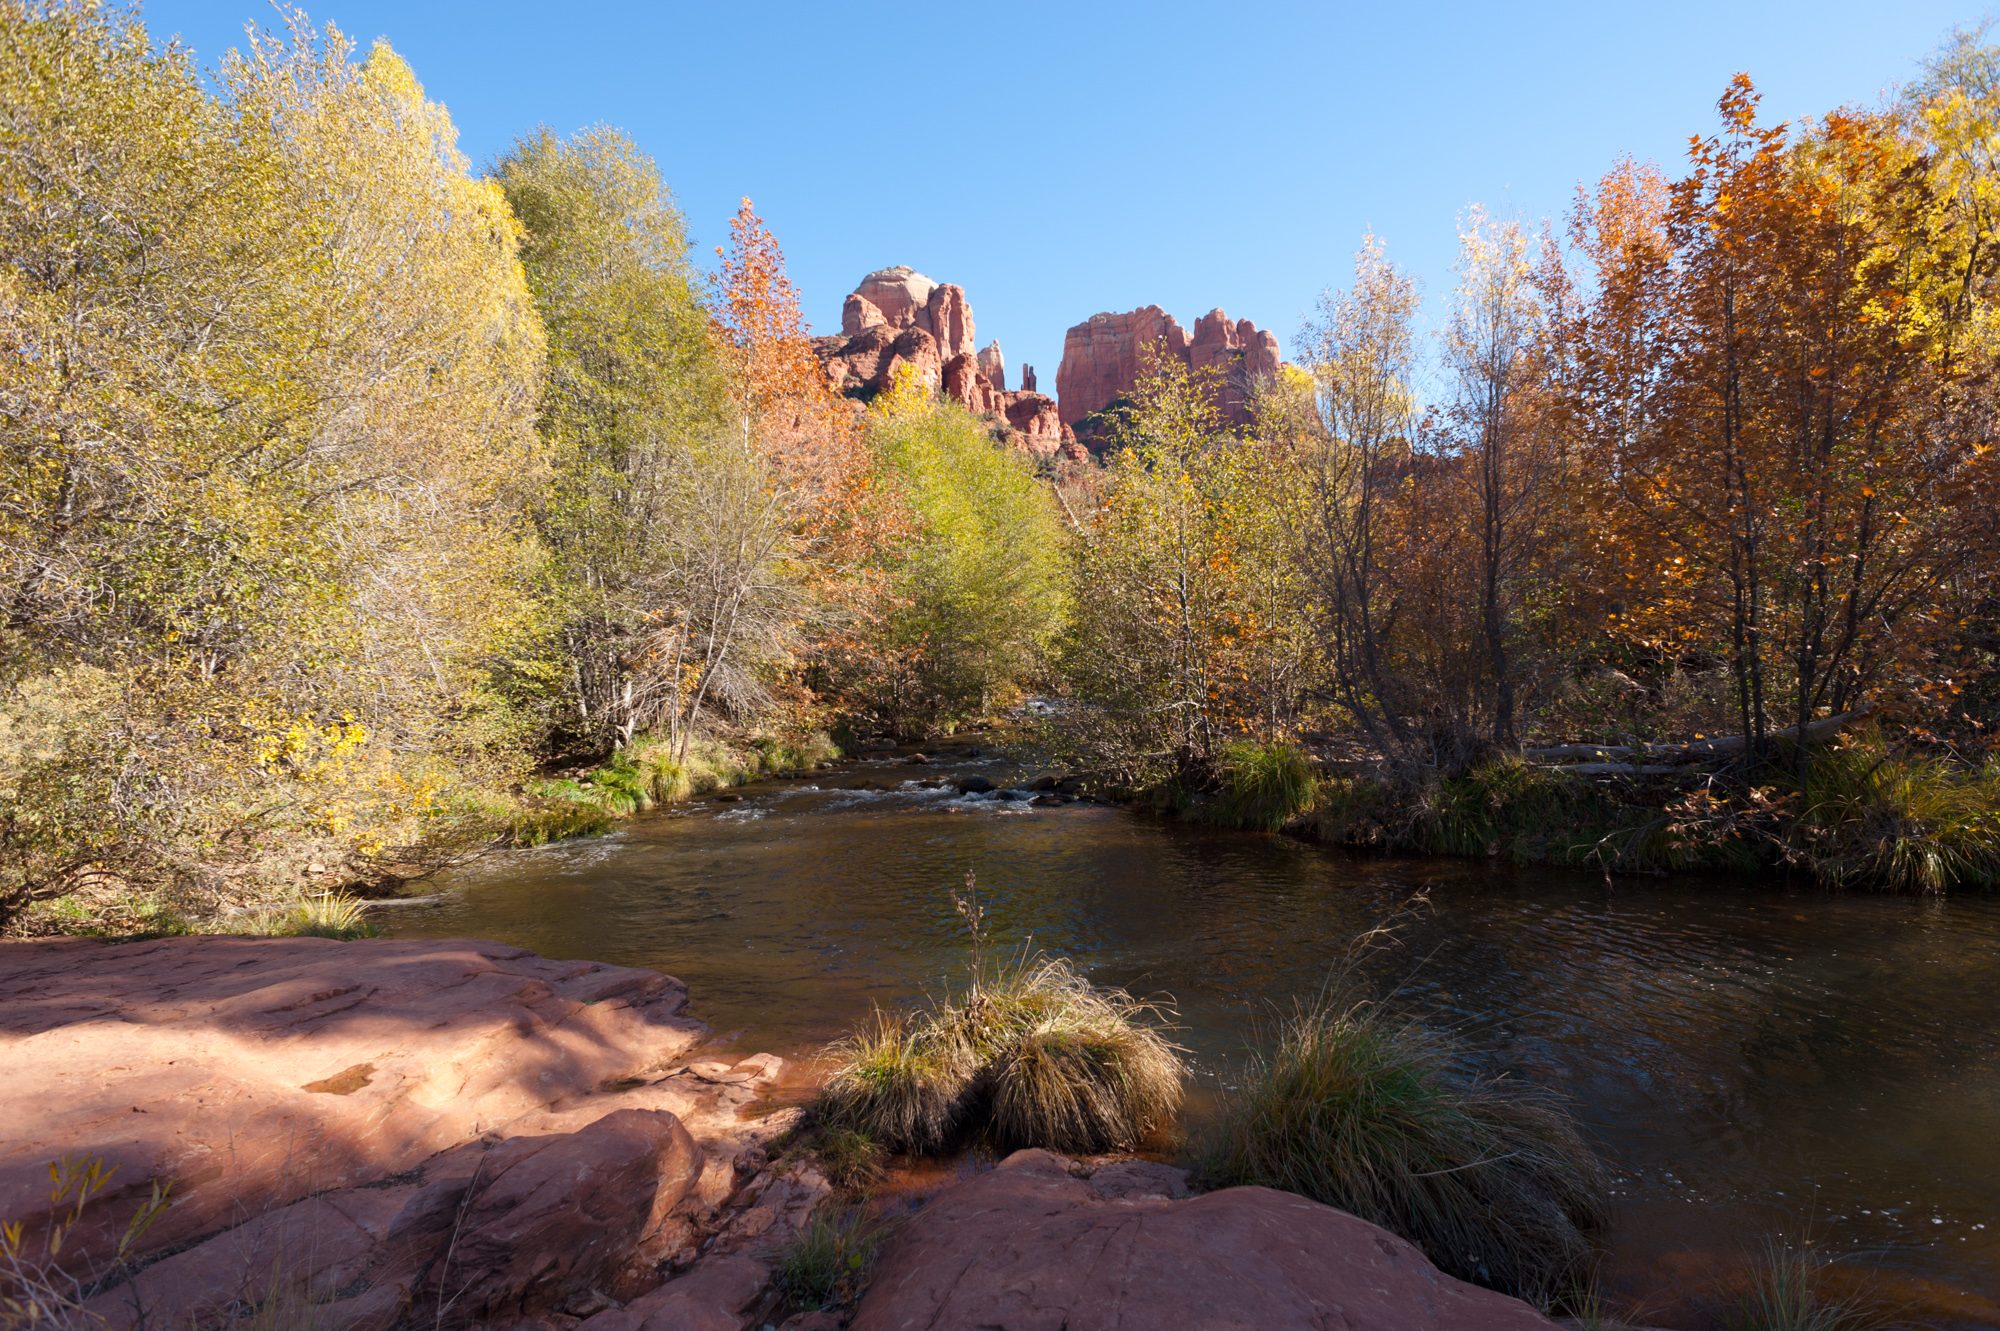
1042,1243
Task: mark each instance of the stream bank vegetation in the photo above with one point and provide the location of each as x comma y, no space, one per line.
1377,1116
1034,1055
363,508
1691,563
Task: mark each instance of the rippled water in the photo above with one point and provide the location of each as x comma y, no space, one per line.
1750,1059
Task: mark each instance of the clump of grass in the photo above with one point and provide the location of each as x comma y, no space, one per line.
307,915
1263,786
1788,1293
900,1080
1038,1056
1067,1065
1874,819
851,1159
827,1264
1375,1116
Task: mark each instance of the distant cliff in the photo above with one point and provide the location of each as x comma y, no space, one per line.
1101,359
898,317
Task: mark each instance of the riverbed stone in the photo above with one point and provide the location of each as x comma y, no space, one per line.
1042,1244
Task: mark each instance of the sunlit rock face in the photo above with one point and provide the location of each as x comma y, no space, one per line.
1104,355
898,321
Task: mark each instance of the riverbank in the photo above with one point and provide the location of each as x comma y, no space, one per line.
380,1134
1867,819
313,898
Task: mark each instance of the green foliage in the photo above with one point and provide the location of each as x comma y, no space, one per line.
979,581
273,360
1193,631
827,1264
1262,786
1360,1111
852,1159
635,395
1873,819
644,774
1037,1056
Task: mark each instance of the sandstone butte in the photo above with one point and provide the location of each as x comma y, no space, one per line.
1102,357
898,317
457,1134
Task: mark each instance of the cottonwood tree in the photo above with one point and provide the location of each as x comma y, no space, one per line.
636,393
1787,443
1159,652
274,361
1351,455
977,579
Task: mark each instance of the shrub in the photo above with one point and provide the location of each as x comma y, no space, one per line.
1037,1057
827,1264
1263,786
1872,819
1374,1116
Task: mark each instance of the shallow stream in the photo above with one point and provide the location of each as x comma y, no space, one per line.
1751,1060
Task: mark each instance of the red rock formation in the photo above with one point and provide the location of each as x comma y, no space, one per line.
1036,422
1031,1244
452,1134
1102,356
898,317
994,366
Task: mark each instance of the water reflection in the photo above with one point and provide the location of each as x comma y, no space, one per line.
1748,1059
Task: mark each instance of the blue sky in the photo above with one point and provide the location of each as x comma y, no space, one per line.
1057,160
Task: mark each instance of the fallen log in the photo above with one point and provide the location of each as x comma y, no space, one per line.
1633,758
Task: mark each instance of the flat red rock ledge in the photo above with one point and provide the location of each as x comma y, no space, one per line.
253,1072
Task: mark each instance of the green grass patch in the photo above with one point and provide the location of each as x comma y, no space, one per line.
1260,786
1872,819
827,1264
645,774
303,915
1376,1116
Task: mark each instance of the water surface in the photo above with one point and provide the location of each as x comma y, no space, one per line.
1749,1059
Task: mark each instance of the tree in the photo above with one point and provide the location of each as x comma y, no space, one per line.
1789,442
1161,656
977,583
274,359
637,397
1351,454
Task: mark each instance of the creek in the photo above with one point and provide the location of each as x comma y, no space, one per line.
1751,1060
